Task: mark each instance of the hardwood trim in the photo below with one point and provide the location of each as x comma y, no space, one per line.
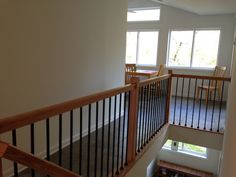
167,113
17,121
14,154
143,151
132,122
153,79
202,77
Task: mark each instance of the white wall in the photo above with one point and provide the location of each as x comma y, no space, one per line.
57,50
52,51
210,164
229,152
173,18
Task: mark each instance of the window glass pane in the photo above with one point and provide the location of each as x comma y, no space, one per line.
147,50
198,150
206,48
168,144
180,48
131,47
143,15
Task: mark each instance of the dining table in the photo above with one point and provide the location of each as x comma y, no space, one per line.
143,73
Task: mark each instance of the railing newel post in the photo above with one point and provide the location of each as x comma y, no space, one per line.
169,90
133,114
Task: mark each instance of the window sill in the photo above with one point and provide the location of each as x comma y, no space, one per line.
190,69
186,153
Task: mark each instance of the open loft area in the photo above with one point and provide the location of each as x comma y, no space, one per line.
137,88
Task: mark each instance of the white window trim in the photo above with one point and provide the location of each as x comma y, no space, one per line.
190,153
137,47
192,50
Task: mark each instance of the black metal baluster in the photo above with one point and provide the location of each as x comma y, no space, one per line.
14,142
32,145
186,116
194,101
144,118
213,108
96,141
88,143
206,111
147,114
114,136
221,102
199,113
123,132
140,128
118,148
80,140
103,125
176,90
71,140
127,135
48,140
156,107
108,142
160,105
60,141
181,102
151,110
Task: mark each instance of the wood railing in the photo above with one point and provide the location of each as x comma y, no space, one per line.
199,101
107,130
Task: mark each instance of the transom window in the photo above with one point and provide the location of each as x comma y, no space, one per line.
186,148
141,47
193,48
148,14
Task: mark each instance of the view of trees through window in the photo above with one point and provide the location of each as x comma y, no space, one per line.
193,48
186,148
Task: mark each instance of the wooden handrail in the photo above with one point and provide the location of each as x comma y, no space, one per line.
202,77
14,154
153,79
20,120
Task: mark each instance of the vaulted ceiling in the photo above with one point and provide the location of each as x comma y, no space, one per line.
201,7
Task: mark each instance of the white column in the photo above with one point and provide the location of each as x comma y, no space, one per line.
228,167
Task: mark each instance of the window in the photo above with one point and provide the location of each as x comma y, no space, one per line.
141,47
186,148
193,48
143,15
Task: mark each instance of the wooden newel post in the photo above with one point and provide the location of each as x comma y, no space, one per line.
132,122
167,115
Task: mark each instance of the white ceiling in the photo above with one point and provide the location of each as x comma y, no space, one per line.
201,7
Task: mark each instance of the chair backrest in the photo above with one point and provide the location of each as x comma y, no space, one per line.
161,70
218,72
130,67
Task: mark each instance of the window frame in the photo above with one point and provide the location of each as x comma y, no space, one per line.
192,48
144,8
137,46
183,151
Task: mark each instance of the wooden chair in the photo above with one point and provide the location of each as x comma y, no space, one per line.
161,70
218,72
129,68
160,73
